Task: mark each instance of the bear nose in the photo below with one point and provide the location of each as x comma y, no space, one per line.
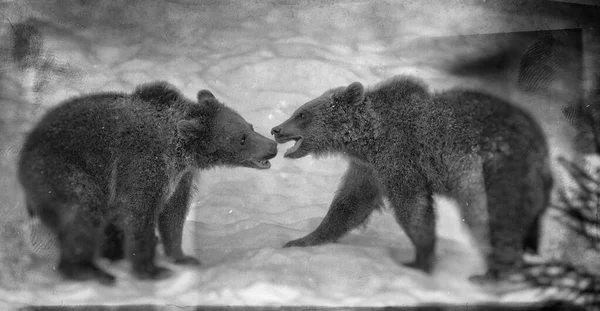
276,130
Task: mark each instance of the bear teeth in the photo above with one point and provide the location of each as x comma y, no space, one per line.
295,147
262,163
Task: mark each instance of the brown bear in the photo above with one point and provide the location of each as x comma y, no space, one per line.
406,144
103,171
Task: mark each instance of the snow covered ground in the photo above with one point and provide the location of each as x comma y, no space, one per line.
265,60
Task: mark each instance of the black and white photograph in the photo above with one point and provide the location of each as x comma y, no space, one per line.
299,155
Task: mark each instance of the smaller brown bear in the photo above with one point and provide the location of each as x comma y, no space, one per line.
406,144
103,171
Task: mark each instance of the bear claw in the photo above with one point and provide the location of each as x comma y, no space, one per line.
425,267
303,242
188,261
154,273
85,271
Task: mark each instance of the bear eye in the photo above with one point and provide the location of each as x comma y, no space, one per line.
243,140
300,116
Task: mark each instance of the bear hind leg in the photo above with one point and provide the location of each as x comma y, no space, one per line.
531,241
416,216
516,198
113,245
470,193
538,197
79,239
70,203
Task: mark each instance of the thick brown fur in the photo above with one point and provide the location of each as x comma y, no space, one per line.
103,171
406,144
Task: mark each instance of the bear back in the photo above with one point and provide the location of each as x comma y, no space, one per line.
160,93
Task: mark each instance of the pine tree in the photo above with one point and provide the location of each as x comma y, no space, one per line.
579,209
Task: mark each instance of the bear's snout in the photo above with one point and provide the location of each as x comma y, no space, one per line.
272,151
281,133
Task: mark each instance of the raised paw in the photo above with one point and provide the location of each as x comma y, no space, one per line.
187,261
153,272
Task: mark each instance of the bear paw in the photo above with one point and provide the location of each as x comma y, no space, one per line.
495,277
303,242
424,266
83,271
153,273
187,261
488,278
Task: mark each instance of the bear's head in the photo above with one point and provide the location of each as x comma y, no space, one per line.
325,124
217,135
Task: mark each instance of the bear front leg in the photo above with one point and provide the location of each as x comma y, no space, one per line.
416,216
141,183
141,239
358,195
172,219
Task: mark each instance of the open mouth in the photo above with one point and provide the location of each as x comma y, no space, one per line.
291,151
260,164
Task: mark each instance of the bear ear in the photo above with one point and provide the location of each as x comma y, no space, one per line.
205,94
205,110
159,93
354,93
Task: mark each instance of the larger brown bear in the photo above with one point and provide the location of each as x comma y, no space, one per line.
103,171
407,144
